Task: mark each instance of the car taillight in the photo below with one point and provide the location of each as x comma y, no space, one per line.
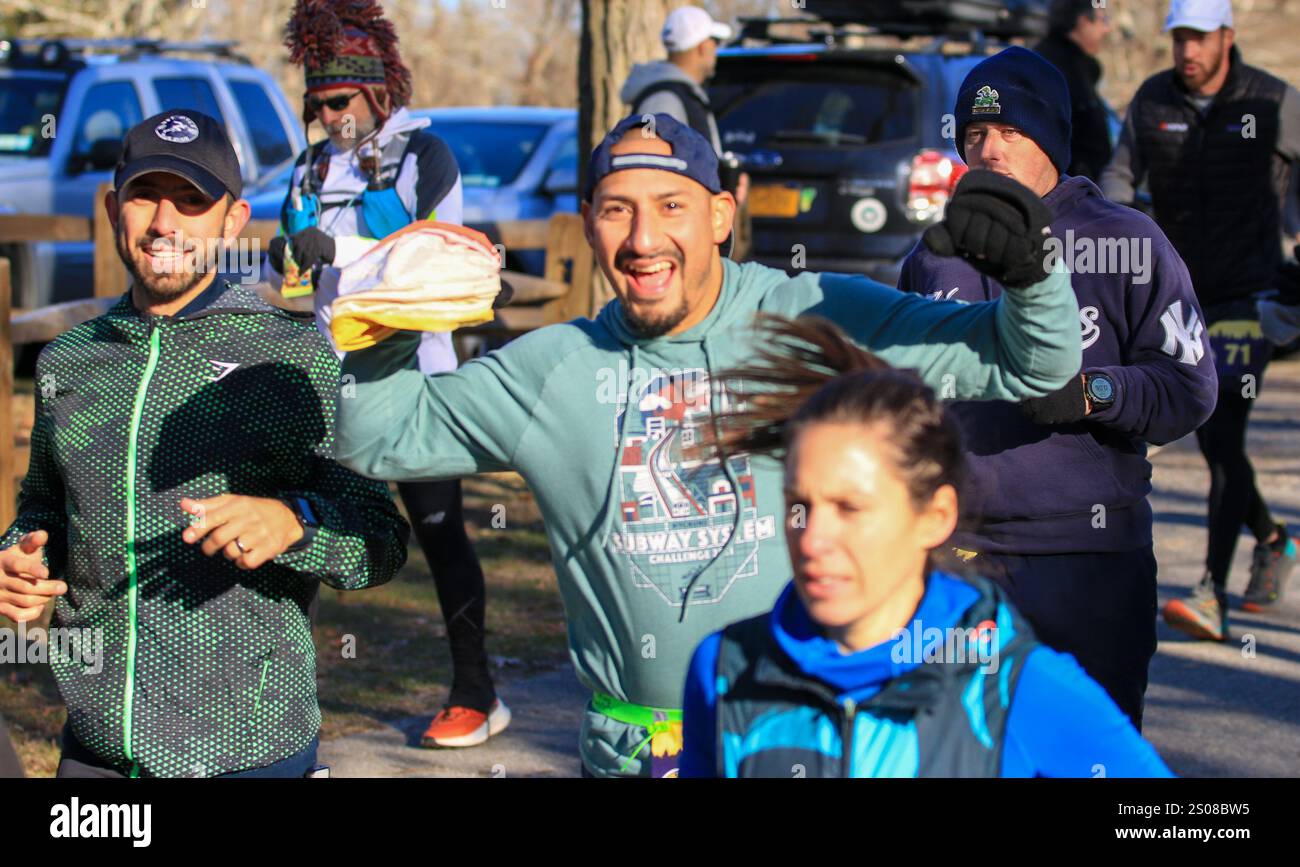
930,184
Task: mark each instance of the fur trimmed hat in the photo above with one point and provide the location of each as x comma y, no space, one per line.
347,43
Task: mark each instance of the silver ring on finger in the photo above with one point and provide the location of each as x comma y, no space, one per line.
240,546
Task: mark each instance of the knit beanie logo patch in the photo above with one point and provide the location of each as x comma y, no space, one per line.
986,101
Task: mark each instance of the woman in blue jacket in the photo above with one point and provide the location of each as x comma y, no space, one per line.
876,661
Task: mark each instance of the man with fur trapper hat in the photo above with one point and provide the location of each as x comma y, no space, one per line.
378,171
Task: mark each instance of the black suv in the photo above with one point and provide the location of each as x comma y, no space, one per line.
846,132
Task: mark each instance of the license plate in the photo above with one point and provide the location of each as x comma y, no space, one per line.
774,201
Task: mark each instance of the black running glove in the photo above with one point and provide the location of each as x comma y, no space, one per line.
1060,407
310,247
996,224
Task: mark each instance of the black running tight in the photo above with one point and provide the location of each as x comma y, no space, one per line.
434,510
1234,499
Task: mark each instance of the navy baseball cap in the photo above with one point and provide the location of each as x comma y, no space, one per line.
181,142
692,154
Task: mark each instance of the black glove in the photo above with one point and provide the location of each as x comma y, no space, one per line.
310,247
996,224
1060,407
275,252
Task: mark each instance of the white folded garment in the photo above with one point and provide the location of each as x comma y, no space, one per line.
428,276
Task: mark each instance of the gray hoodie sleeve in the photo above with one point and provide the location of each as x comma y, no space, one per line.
1288,138
663,102
1120,180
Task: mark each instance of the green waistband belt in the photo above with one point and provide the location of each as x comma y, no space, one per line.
655,720
633,714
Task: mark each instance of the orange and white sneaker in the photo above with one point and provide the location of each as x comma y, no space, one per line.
459,726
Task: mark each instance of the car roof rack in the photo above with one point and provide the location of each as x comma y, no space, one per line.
929,38
58,51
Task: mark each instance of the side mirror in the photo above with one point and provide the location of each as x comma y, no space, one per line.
102,157
104,154
560,180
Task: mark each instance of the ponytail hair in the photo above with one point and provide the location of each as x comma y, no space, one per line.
810,372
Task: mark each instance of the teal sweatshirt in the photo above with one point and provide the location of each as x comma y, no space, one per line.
654,550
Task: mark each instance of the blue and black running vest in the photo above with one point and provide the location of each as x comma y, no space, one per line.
382,211
940,719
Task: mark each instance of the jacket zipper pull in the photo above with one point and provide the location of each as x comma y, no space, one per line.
850,711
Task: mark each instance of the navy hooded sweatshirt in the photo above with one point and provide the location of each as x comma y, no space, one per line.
1082,487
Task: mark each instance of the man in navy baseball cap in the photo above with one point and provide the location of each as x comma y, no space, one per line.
175,207
645,376
186,143
657,239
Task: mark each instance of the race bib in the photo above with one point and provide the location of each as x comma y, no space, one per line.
1240,348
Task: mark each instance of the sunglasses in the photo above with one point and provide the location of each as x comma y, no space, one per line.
334,103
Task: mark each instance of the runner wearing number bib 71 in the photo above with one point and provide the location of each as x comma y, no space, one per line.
1215,140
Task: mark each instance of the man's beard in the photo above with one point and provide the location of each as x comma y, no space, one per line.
655,326
159,288
1210,72
347,143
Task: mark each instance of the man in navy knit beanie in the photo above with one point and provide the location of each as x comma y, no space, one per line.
1020,89
1055,507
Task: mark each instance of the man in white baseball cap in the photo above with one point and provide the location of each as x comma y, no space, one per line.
1203,15
1215,141
675,87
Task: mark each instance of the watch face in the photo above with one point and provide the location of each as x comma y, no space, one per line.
1101,389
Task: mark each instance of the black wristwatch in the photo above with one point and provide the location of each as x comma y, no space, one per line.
1100,390
302,510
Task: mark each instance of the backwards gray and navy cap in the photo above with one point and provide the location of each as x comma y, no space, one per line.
692,154
181,142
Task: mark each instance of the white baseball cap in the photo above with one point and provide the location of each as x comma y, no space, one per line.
1202,15
688,26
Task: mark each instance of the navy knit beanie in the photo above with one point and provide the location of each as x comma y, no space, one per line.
1022,89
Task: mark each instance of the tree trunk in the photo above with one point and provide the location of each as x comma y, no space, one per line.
616,34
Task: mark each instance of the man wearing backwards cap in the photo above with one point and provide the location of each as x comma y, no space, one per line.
655,549
1056,497
182,498
379,170
1215,140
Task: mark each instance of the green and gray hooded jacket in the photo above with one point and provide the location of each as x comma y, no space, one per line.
206,669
